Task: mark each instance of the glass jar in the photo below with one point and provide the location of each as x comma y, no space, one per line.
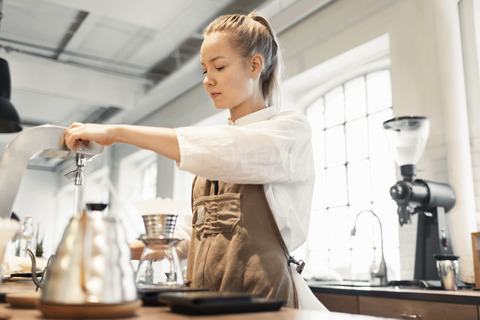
159,266
25,238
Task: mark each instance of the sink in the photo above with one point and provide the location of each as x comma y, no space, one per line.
416,284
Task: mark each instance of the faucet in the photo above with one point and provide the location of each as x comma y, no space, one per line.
381,271
77,174
44,141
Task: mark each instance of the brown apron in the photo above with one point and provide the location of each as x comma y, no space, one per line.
236,244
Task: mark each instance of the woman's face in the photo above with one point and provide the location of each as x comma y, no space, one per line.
230,79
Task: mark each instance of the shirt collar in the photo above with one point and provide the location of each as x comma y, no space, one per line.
260,115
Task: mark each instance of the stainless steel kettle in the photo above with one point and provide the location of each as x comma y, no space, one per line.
91,264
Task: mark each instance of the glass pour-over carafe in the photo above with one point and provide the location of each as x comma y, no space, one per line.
159,266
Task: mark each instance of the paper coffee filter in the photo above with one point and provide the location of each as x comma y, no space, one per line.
159,206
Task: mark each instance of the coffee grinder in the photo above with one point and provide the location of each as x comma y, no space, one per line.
407,137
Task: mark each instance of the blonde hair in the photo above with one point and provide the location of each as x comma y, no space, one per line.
254,35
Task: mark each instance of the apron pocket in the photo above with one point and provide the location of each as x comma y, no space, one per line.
217,214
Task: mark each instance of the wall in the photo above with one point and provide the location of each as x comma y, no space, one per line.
470,27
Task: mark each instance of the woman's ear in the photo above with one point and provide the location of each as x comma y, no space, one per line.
256,65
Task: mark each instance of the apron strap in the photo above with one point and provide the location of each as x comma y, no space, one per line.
290,259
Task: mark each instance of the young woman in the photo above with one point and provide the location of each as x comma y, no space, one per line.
252,195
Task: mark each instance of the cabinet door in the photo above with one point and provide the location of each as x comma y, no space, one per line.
413,309
339,302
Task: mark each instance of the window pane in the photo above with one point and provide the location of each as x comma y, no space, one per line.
387,212
357,139
318,200
355,98
382,163
379,92
318,140
315,115
379,148
340,258
319,226
383,177
334,107
359,186
319,260
335,146
337,186
338,218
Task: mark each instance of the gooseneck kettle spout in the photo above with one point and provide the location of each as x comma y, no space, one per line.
34,268
43,141
38,283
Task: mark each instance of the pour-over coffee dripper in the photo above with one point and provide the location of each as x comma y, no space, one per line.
159,266
159,225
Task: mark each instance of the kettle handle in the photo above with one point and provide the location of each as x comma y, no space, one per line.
34,269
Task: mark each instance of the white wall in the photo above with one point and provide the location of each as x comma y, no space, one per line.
470,28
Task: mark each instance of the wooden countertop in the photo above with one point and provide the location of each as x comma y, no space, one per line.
461,296
155,313
164,313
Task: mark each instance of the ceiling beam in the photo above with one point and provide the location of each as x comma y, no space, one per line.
52,78
81,16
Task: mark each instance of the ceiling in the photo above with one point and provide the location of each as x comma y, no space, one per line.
110,61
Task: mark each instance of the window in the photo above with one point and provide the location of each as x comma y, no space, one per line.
354,172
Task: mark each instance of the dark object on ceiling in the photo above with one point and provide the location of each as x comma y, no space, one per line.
9,119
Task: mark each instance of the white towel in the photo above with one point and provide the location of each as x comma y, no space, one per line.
306,298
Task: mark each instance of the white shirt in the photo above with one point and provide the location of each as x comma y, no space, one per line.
265,147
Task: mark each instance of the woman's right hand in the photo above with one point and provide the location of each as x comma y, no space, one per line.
78,133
